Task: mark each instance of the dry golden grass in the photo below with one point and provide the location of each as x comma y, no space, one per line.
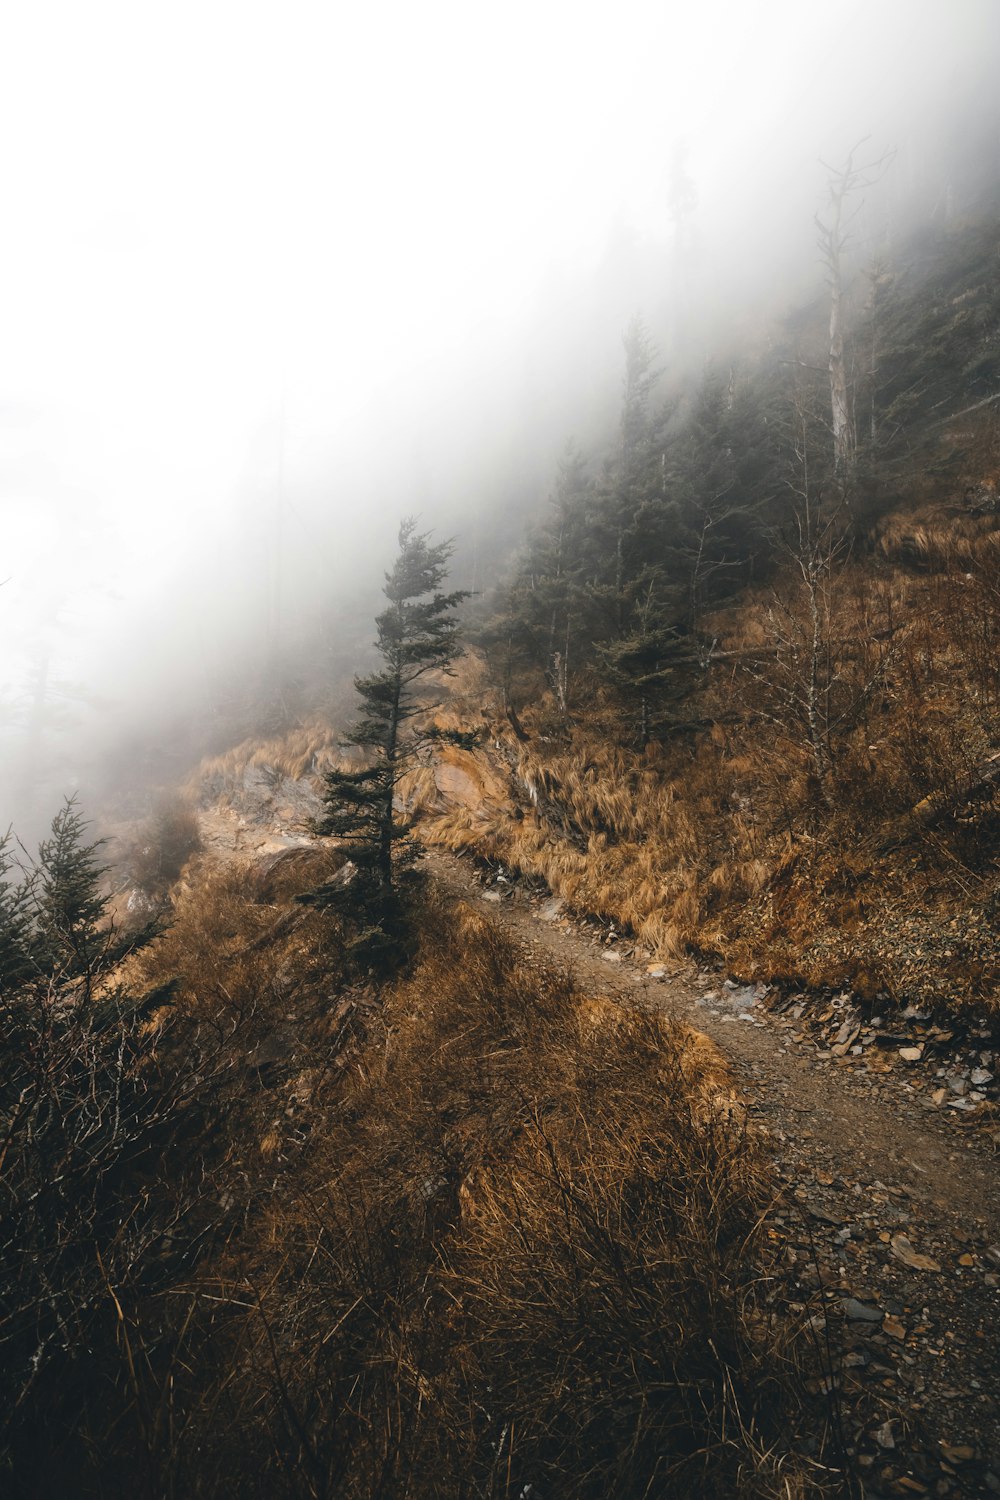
305,751
468,1233
516,1248
936,538
688,844
236,947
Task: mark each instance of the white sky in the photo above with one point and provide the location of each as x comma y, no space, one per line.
206,204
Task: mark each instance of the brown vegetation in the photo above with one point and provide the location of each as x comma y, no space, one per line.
835,819
163,847
469,1233
297,753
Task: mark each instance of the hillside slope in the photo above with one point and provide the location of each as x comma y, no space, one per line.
879,1226
886,1222
883,1223
876,870
471,1229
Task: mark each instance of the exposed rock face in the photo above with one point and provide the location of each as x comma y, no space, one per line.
461,778
458,783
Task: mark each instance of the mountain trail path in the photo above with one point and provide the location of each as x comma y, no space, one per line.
886,1229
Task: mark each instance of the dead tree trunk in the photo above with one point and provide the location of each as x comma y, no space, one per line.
831,242
833,234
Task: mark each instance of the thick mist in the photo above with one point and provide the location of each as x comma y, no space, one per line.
273,277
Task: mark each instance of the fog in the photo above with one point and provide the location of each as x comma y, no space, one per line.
273,276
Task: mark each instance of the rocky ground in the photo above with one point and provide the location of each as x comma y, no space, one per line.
885,1234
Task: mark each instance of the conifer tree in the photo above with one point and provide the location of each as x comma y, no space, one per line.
629,504
724,480
655,663
71,936
543,612
560,591
72,939
641,650
510,642
417,634
15,924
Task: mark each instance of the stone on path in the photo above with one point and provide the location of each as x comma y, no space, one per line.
904,1252
861,1312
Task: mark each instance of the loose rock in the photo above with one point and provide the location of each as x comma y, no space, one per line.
907,1256
860,1312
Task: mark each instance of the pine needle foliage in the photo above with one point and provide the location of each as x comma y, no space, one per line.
74,943
15,923
57,934
417,634
70,907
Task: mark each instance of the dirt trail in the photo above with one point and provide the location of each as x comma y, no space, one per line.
886,1229
888,1223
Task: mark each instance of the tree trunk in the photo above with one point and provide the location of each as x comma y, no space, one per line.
388,810
644,722
840,410
833,237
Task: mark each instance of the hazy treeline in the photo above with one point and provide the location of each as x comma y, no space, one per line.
168,624
714,481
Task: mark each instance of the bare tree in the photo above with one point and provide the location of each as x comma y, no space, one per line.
813,678
843,183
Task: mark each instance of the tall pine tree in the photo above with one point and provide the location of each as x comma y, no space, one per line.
417,634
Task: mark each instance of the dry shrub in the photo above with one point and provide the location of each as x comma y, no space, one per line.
300,752
89,1113
164,846
470,1233
131,1119
518,1249
135,1148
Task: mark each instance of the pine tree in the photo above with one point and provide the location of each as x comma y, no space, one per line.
640,646
725,480
15,924
72,941
655,663
559,584
417,634
629,504
72,938
542,614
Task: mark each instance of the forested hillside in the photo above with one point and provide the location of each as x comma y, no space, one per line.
745,678
321,1182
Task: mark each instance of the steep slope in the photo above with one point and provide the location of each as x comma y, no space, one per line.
829,814
502,1223
884,1224
881,1227
472,1229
